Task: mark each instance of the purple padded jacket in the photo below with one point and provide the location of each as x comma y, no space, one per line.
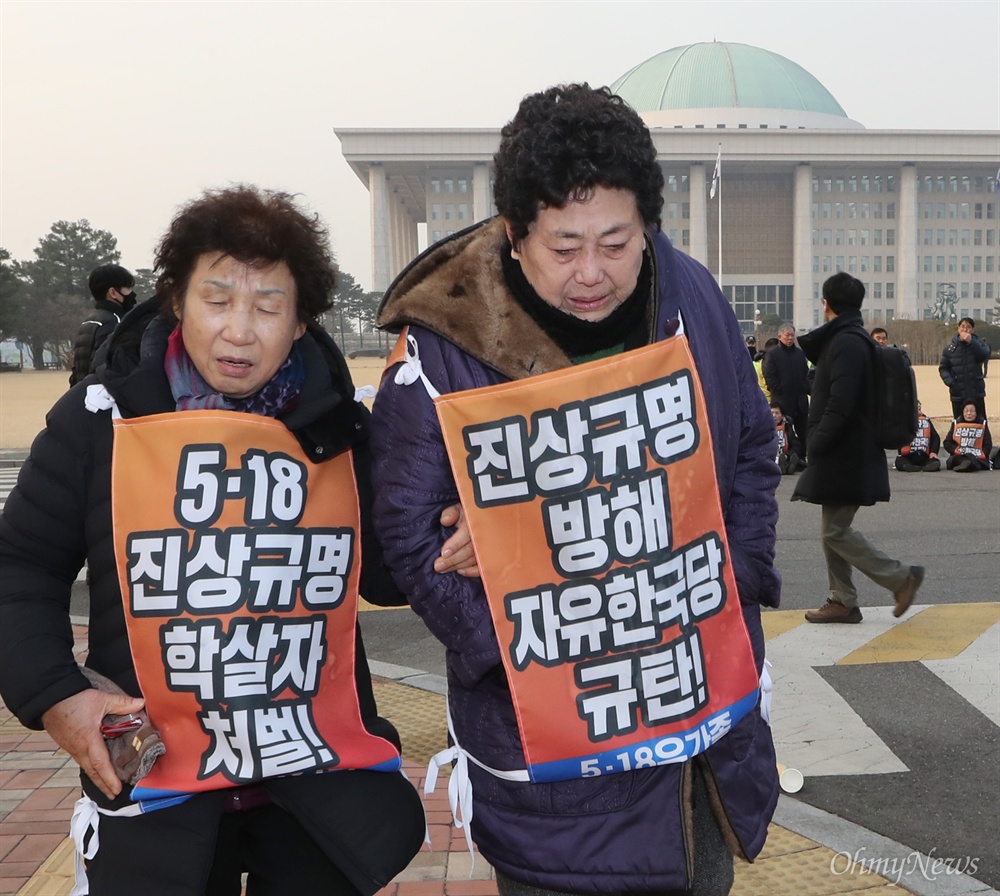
618,832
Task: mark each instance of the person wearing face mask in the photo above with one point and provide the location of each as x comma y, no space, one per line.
111,286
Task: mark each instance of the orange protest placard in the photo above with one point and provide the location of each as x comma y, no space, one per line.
970,438
239,563
594,510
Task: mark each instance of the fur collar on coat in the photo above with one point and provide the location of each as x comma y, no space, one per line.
458,291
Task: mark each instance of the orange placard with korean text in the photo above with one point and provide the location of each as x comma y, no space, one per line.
239,562
969,437
594,511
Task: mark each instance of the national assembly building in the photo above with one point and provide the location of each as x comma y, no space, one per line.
803,190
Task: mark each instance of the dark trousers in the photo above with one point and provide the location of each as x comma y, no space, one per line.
281,859
800,426
975,464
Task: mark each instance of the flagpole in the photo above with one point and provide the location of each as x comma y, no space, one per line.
717,186
720,220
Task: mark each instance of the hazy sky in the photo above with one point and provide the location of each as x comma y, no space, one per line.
119,111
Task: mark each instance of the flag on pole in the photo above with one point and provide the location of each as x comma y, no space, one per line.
716,174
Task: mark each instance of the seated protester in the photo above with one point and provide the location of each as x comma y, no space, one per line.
968,441
787,457
921,455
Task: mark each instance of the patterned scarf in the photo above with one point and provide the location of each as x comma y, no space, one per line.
192,393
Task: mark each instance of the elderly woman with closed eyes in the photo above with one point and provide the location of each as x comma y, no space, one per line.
215,470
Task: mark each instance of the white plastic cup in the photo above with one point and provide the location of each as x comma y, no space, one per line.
790,779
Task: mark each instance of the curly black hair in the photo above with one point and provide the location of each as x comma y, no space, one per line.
564,142
256,227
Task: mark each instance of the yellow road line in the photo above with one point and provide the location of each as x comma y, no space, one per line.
937,633
777,622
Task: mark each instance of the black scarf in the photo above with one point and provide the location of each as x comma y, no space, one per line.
624,328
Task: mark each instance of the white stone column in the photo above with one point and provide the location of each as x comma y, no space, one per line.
403,231
802,249
907,300
482,196
396,213
698,222
412,246
380,227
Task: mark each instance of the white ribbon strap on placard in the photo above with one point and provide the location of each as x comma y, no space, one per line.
410,369
86,820
460,784
99,399
766,692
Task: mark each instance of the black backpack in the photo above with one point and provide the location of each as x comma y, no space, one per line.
892,408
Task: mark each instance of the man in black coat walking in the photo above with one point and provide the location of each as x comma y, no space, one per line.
846,468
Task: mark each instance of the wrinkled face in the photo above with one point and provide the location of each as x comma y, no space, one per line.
969,413
238,322
585,258
880,338
776,413
787,336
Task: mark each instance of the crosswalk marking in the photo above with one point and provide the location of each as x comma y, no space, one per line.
777,622
818,732
815,729
936,633
975,673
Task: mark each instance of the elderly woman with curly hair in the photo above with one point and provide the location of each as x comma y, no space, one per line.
572,280
214,475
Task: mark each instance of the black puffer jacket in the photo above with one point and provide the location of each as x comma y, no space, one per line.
93,332
846,467
961,367
59,515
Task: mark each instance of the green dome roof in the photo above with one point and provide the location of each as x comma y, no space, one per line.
722,75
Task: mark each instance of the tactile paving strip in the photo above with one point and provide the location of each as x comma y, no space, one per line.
418,715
